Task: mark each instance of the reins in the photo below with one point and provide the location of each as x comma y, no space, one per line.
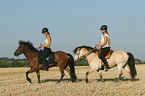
84,56
31,50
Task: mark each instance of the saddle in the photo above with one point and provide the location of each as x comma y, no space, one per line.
108,54
50,58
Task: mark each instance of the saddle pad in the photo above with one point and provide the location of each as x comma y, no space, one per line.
51,58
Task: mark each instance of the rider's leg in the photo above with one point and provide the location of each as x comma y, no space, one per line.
45,55
103,53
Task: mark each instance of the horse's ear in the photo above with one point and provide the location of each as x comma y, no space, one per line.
78,49
20,41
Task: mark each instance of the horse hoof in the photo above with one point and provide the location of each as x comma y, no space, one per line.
58,82
29,80
103,81
87,80
116,80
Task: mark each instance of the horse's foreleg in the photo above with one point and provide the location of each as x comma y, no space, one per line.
27,73
87,73
86,79
38,76
62,74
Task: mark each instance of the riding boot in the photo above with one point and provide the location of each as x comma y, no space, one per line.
46,53
45,65
106,67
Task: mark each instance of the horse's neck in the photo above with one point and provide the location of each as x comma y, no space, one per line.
91,56
85,52
30,55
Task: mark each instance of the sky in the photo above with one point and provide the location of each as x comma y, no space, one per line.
72,23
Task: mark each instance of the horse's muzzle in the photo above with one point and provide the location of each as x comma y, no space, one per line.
16,54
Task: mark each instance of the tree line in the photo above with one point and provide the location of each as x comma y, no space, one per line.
11,62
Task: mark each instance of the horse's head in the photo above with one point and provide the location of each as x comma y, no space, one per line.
77,54
20,49
24,47
80,52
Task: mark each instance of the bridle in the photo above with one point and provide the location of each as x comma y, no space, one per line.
82,57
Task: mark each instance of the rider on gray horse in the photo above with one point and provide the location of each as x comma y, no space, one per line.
105,46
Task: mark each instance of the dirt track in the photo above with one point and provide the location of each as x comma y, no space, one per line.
13,83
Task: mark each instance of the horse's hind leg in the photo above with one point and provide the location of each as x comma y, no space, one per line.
68,70
62,74
38,76
128,70
119,72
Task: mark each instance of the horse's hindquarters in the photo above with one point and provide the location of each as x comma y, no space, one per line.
118,57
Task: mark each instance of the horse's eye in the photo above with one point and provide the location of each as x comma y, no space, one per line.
77,53
20,47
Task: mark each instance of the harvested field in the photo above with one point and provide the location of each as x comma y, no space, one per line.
13,83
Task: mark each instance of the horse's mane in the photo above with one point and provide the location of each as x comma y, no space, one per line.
86,47
29,44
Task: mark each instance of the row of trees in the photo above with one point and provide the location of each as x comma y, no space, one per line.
11,62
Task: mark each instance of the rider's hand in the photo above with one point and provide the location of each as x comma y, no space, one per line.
40,46
97,46
94,49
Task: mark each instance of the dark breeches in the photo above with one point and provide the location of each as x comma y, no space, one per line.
103,53
46,53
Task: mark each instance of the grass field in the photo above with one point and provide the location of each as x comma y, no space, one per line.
13,83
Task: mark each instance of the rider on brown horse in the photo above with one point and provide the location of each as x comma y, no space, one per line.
47,49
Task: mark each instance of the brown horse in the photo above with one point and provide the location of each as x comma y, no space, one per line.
62,59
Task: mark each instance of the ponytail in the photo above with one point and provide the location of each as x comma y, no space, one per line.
109,39
107,33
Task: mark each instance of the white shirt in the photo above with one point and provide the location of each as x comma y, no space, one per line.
102,40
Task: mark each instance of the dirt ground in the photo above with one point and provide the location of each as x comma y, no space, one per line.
13,83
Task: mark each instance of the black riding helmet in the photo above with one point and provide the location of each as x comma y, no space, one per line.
45,30
104,27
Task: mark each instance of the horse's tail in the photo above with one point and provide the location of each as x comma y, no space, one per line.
131,64
72,69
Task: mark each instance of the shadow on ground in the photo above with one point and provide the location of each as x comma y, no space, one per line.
122,79
56,80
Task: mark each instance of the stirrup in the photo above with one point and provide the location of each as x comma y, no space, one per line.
106,70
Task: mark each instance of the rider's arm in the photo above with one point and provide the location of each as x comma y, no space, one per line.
98,45
105,41
49,41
